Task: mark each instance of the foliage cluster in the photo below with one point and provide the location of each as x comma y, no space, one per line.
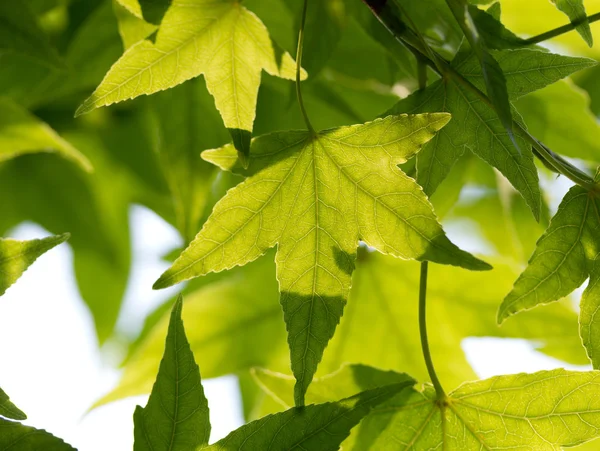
305,189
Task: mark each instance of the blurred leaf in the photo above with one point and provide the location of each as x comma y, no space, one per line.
22,133
576,12
8,409
17,256
545,112
233,78
94,208
317,233
176,416
19,33
178,140
492,31
476,127
28,438
524,411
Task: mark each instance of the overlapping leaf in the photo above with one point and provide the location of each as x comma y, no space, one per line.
176,417
17,256
314,195
475,126
248,331
21,133
565,256
222,40
539,411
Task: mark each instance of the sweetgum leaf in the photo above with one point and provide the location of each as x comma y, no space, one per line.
21,133
315,195
475,126
8,409
29,439
190,42
539,411
17,256
575,10
176,416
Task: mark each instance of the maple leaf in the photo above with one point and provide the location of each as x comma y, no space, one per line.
8,409
315,196
541,411
222,40
475,126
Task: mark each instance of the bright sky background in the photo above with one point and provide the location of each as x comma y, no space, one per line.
53,371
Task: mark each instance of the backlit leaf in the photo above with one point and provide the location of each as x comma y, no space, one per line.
314,196
475,126
540,411
17,256
190,42
21,133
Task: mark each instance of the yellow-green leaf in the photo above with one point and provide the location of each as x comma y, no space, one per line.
17,256
222,40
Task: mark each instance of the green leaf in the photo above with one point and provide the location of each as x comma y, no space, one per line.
317,426
248,331
495,82
17,256
19,33
190,42
545,112
176,416
8,409
562,258
524,411
314,196
21,133
476,127
575,10
28,438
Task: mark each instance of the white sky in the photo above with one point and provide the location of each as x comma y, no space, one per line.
52,370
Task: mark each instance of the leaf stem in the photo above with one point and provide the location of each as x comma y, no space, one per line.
410,39
421,72
423,332
561,30
299,69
